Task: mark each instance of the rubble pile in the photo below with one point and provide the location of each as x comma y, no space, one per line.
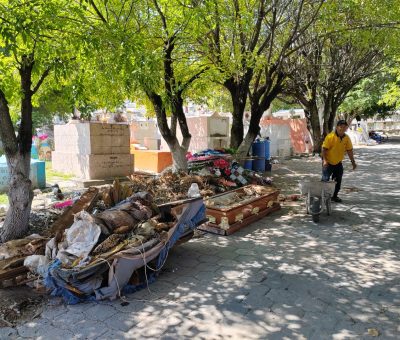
168,187
91,246
41,219
132,222
75,258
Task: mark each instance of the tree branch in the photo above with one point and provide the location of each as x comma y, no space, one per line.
192,79
7,133
40,82
163,19
100,15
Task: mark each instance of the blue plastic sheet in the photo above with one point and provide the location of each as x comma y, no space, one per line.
57,281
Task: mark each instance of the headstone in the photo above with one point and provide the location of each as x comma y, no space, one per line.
37,174
92,150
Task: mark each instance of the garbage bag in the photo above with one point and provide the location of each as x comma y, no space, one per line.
79,239
37,264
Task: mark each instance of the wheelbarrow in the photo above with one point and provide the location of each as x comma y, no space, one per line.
318,196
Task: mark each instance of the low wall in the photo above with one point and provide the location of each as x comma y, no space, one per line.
37,174
296,132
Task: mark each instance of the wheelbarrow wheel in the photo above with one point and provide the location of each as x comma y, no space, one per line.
328,206
315,208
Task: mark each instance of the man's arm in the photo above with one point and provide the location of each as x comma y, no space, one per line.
324,154
351,156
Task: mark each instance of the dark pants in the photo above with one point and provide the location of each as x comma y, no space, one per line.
336,171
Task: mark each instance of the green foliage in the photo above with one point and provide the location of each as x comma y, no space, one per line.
367,98
3,199
283,104
211,94
54,176
99,56
391,95
45,32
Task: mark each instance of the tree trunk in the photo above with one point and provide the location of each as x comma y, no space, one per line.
245,146
178,157
314,126
237,131
254,130
18,155
20,196
178,151
331,118
260,102
238,93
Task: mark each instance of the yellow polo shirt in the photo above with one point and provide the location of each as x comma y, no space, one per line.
336,147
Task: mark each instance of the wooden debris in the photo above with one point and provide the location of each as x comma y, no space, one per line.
12,275
116,218
109,243
85,202
123,229
116,193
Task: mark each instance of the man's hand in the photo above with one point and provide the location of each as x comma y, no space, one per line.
325,164
353,163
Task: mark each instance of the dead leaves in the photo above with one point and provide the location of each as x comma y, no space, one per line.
373,332
170,186
116,193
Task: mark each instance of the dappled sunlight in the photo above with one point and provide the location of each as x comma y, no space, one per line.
282,276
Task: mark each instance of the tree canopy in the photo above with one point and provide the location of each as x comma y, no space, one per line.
56,55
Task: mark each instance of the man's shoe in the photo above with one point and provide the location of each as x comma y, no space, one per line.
336,199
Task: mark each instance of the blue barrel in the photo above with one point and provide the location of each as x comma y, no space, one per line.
258,150
267,143
268,165
248,164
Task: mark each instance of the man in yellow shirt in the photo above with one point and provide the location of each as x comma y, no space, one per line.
335,145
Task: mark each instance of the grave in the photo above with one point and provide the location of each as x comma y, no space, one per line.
91,150
37,174
208,132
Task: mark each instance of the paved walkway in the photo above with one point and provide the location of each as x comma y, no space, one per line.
283,277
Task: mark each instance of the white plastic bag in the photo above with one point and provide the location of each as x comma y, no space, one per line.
37,264
194,191
79,239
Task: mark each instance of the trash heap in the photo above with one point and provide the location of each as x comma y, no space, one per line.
114,240
170,186
227,172
104,254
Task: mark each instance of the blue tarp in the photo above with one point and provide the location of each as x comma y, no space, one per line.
61,282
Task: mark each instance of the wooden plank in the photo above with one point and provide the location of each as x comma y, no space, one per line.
207,227
13,273
85,202
215,229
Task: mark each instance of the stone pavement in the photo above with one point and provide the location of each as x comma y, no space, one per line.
283,277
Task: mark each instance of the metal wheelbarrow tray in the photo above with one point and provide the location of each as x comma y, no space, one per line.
316,187
318,196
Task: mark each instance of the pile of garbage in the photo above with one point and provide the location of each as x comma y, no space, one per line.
97,256
131,222
171,186
237,198
220,164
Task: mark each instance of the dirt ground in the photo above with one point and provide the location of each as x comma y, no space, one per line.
21,304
